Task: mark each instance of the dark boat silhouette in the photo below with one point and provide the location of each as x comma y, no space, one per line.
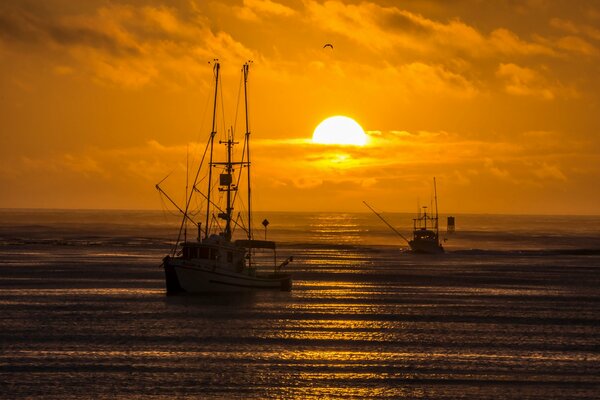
426,234
214,262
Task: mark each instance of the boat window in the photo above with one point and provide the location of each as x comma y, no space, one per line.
229,256
186,252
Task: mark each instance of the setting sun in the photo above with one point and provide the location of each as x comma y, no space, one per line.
499,101
339,130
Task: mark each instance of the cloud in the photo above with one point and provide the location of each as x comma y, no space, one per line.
403,156
575,44
522,81
504,42
22,26
496,171
574,28
384,28
546,171
395,165
424,78
123,45
253,9
85,165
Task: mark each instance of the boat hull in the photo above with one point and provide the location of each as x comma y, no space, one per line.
425,247
184,277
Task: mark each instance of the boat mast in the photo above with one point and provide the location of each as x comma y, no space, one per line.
245,70
226,180
213,132
437,232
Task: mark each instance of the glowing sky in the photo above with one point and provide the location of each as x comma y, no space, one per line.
498,99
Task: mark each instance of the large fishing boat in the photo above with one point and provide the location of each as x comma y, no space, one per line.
214,262
426,234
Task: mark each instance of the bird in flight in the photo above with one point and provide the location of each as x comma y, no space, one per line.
328,45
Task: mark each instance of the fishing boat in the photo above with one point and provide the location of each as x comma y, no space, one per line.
215,262
426,235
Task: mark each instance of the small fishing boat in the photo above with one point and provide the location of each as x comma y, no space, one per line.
214,262
426,235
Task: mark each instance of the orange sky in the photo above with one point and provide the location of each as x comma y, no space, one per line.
499,100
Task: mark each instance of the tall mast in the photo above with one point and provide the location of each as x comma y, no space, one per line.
436,207
245,71
212,137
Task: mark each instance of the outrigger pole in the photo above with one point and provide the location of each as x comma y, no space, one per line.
387,223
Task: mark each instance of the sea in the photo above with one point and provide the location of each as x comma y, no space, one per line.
510,311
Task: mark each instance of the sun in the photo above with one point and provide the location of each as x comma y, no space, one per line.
340,130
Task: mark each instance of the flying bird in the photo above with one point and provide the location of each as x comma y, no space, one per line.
328,45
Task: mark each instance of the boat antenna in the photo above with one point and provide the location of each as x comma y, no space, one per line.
387,223
213,132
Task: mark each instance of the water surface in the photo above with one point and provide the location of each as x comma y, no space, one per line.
510,312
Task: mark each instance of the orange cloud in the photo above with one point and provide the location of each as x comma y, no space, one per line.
128,46
522,81
576,44
298,175
252,9
383,28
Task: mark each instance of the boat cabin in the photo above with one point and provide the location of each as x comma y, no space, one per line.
425,234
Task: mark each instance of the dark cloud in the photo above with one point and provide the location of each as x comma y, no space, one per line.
26,28
403,23
18,26
81,36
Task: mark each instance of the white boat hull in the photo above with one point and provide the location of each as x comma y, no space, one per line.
191,278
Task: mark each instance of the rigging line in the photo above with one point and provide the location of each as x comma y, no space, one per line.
234,129
387,223
235,223
239,177
202,121
165,210
224,130
213,132
216,223
165,178
237,104
245,70
162,193
241,223
245,148
189,200
217,207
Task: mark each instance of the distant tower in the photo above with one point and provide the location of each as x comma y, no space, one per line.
450,226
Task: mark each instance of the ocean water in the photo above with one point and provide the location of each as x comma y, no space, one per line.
511,311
